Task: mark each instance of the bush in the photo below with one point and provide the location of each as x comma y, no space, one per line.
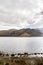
7,64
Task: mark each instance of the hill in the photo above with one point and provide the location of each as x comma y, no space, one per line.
21,33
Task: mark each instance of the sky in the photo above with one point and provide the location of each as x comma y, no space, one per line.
21,14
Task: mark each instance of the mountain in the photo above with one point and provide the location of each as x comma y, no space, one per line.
22,33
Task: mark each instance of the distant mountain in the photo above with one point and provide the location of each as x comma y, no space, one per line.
22,33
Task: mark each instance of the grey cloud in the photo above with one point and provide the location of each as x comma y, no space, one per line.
19,3
18,12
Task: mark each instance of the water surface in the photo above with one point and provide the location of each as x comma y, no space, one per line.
21,44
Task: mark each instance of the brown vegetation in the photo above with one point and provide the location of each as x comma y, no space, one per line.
21,61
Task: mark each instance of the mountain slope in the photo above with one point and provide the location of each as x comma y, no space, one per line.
21,33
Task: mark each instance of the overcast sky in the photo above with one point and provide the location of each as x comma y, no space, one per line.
21,14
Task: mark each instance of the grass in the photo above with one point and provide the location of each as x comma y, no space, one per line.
21,61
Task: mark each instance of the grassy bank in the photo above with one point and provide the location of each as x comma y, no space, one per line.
21,61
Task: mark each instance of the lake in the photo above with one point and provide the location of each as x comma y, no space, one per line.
21,44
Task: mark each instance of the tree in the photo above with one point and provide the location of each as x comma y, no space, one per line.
12,55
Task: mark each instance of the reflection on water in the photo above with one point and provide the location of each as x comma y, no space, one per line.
21,44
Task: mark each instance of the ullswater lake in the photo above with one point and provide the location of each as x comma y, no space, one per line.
21,44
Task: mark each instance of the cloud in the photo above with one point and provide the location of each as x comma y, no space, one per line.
19,13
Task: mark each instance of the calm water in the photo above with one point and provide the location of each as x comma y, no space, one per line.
21,44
